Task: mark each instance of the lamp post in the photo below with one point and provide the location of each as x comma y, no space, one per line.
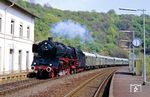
144,58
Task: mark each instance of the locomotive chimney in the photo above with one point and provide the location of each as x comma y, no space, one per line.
50,38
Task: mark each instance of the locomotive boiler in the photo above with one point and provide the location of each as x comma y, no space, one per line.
55,59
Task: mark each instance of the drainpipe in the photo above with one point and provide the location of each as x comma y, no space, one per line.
5,33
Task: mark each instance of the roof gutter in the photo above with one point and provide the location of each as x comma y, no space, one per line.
12,4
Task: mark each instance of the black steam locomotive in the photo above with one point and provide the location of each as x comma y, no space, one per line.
55,59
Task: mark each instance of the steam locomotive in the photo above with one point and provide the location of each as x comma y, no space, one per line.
53,59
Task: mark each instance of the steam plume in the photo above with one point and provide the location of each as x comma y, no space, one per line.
70,29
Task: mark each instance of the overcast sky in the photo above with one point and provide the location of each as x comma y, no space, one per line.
99,5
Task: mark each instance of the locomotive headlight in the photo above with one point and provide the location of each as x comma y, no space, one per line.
48,69
50,64
45,47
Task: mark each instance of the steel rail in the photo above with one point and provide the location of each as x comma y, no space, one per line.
77,89
102,86
27,83
18,85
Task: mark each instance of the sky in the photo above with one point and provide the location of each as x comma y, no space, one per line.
99,5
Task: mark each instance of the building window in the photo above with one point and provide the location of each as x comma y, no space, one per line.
19,59
27,60
12,26
21,30
0,24
28,32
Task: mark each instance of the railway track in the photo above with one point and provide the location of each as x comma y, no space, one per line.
15,86
94,87
22,84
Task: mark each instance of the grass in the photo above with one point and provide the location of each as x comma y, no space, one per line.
148,68
139,67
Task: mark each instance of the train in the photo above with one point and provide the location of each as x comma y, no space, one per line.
52,59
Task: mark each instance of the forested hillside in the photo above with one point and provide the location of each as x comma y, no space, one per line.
104,28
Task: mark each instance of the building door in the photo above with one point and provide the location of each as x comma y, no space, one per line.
27,60
0,59
10,68
20,59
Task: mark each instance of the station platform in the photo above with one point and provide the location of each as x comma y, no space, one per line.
124,84
13,77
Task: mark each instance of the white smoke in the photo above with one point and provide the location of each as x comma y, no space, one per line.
70,29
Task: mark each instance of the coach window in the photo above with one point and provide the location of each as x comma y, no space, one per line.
12,27
21,30
28,32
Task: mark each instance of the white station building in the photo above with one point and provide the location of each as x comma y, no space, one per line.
16,38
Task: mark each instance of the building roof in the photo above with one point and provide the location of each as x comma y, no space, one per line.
9,2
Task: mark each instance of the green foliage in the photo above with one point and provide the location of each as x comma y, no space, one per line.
148,65
104,27
139,65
